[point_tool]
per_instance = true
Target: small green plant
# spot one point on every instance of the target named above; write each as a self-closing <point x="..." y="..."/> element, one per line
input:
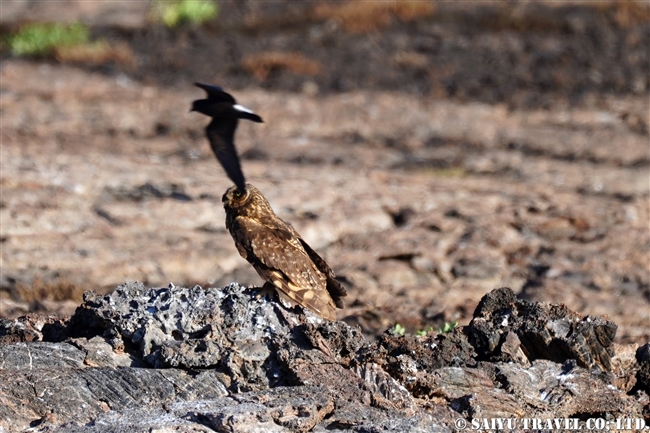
<point x="449" y="326"/>
<point x="423" y="332"/>
<point x="43" y="38"/>
<point x="196" y="12"/>
<point x="398" y="329"/>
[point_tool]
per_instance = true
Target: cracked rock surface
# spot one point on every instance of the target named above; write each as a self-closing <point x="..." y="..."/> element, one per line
<point x="195" y="359"/>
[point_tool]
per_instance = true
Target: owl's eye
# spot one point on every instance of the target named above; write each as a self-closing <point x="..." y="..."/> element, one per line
<point x="237" y="193"/>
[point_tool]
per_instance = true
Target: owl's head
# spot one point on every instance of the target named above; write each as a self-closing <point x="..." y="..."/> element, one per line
<point x="246" y="202"/>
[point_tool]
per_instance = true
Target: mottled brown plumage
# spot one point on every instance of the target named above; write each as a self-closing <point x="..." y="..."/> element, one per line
<point x="279" y="255"/>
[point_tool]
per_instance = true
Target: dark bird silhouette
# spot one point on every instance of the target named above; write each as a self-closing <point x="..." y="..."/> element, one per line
<point x="225" y="113"/>
<point x="279" y="255"/>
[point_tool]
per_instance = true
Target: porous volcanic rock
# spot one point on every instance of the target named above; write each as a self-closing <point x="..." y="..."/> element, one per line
<point x="232" y="359"/>
<point x="503" y="325"/>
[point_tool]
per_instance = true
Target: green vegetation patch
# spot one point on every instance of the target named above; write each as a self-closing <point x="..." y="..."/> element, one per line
<point x="195" y="12"/>
<point x="43" y="38"/>
<point x="449" y="326"/>
<point x="398" y="329"/>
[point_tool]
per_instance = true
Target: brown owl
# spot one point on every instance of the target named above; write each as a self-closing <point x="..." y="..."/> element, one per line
<point x="279" y="255"/>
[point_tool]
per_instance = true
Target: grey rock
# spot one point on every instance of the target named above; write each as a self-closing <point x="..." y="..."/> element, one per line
<point x="244" y="417"/>
<point x="35" y="355"/>
<point x="356" y="417"/>
<point x="142" y="419"/>
<point x="82" y="394"/>
<point x="549" y="389"/>
<point x="643" y="375"/>
<point x="298" y="408"/>
<point x="381" y="383"/>
<point x="229" y="328"/>
<point x="194" y="359"/>
<point x="544" y="332"/>
<point x="33" y="327"/>
<point x="162" y="316"/>
<point x="99" y="353"/>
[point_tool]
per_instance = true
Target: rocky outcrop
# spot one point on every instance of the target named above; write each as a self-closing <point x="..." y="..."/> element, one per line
<point x="194" y="359"/>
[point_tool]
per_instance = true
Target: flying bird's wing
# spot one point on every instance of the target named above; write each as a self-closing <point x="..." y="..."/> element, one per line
<point x="225" y="112"/>
<point x="245" y="113"/>
<point x="216" y="93"/>
<point x="229" y="107"/>
<point x="220" y="133"/>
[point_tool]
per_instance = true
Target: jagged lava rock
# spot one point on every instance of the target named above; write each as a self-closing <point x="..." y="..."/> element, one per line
<point x="188" y="328"/>
<point x="503" y="324"/>
<point x="194" y="359"/>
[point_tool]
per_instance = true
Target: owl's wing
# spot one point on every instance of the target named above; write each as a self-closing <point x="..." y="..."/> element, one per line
<point x="335" y="289"/>
<point x="278" y="256"/>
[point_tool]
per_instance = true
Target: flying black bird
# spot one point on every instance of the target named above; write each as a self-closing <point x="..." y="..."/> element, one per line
<point x="225" y="113"/>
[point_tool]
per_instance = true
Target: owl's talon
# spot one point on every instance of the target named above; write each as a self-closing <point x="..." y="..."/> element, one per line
<point x="267" y="289"/>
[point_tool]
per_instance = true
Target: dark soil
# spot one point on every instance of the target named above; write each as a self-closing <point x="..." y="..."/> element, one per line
<point x="528" y="55"/>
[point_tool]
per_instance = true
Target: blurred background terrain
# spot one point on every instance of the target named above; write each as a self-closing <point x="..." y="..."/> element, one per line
<point x="430" y="151"/>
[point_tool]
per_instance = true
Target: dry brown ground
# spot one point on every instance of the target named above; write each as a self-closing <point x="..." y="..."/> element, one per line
<point x="94" y="194"/>
<point x="422" y="202"/>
